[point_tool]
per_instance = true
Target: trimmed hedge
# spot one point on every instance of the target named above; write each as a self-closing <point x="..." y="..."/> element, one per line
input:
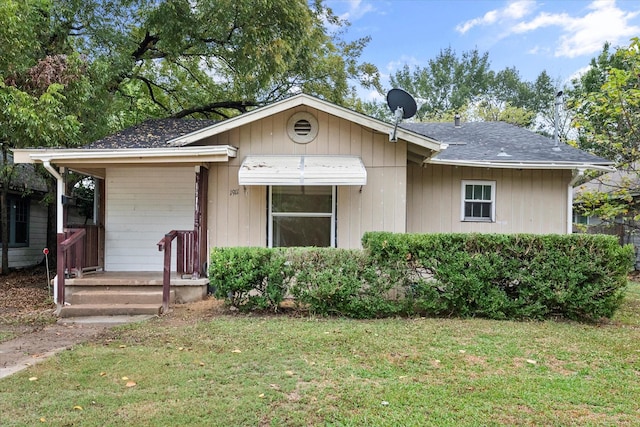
<point x="496" y="276"/>
<point x="499" y="276"/>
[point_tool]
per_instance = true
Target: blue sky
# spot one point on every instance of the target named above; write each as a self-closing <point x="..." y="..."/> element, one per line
<point x="559" y="36"/>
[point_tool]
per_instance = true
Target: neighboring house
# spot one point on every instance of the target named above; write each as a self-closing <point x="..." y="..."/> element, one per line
<point x="27" y="218"/>
<point x="305" y="172"/>
<point x="627" y="230"/>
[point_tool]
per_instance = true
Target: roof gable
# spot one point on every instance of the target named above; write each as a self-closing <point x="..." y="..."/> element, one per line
<point x="306" y="100"/>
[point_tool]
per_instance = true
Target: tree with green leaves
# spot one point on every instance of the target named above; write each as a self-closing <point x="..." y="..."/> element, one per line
<point x="606" y="104"/>
<point x="215" y="58"/>
<point x="465" y="84"/>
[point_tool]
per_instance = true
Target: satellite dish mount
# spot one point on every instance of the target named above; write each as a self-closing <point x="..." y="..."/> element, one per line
<point x="403" y="106"/>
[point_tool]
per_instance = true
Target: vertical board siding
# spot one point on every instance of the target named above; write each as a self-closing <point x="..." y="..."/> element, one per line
<point x="527" y="201"/>
<point x="238" y="215"/>
<point x="142" y="204"/>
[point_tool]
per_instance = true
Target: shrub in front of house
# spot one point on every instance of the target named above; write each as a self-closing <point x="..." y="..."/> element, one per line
<point x="340" y="282"/>
<point x="249" y="278"/>
<point x="501" y="276"/>
<point x="496" y="276"/>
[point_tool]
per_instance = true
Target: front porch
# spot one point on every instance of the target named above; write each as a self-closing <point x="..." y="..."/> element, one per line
<point x="126" y="293"/>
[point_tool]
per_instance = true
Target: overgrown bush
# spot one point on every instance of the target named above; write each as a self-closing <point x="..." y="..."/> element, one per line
<point x="496" y="276"/>
<point x="506" y="276"/>
<point x="340" y="282"/>
<point x="249" y="278"/>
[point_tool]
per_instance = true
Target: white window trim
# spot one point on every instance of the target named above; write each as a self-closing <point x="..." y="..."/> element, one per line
<point x="463" y="200"/>
<point x="331" y="215"/>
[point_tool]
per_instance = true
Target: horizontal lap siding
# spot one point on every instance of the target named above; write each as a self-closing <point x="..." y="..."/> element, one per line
<point x="238" y="215"/>
<point x="32" y="255"/>
<point x="527" y="201"/>
<point x="142" y="204"/>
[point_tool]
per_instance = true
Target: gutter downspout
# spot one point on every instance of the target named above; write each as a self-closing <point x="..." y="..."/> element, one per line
<point x="579" y="174"/>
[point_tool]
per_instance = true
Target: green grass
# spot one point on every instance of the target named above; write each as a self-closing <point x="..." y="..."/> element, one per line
<point x="282" y="371"/>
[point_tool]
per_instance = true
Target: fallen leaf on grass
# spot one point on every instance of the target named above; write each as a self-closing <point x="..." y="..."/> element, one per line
<point x="131" y="384"/>
<point x="236" y="351"/>
<point x="290" y="373"/>
<point x="102" y="374"/>
<point x="78" y="408"/>
<point x="261" y="395"/>
<point x="531" y="361"/>
<point x="33" y="379"/>
<point x="123" y="346"/>
<point x="43" y="420"/>
<point x="125" y="378"/>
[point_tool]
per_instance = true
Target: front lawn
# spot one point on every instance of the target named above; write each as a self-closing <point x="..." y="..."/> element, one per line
<point x="234" y="370"/>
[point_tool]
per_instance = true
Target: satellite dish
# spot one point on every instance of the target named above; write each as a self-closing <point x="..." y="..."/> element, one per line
<point x="398" y="98"/>
<point x="403" y="106"/>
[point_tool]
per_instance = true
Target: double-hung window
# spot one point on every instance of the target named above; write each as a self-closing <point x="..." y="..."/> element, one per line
<point x="478" y="201"/>
<point x="18" y="214"/>
<point x="302" y="216"/>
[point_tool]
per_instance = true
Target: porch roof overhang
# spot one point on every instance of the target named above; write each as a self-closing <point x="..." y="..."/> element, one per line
<point x="606" y="167"/>
<point x="93" y="161"/>
<point x="302" y="170"/>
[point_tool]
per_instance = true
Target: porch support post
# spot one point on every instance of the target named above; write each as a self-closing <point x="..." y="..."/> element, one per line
<point x="197" y="222"/>
<point x="59" y="196"/>
<point x="60" y="264"/>
<point x="166" y="274"/>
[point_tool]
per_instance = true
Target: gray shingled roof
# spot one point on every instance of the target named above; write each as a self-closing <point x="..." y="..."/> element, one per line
<point x="25" y="177"/>
<point x="484" y="141"/>
<point x="150" y="134"/>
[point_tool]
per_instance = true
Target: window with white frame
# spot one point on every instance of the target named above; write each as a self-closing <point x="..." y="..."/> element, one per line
<point x="478" y="201"/>
<point x="302" y="216"/>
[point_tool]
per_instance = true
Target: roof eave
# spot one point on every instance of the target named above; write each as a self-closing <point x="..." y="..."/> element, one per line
<point x="525" y="165"/>
<point x="218" y="153"/>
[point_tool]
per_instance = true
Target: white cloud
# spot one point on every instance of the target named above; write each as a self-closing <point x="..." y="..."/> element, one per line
<point x="578" y="33"/>
<point x="586" y="35"/>
<point x="514" y="10"/>
<point x="356" y="10"/>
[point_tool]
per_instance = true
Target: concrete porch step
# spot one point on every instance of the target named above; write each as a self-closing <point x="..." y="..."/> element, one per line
<point x="120" y="297"/>
<point x="82" y="310"/>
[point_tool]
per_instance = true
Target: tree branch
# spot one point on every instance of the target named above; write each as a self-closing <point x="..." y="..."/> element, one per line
<point x="145" y="45"/>
<point x="150" y="85"/>
<point x="214" y="107"/>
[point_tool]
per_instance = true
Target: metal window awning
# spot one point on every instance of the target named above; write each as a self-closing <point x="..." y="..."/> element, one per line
<point x="302" y="170"/>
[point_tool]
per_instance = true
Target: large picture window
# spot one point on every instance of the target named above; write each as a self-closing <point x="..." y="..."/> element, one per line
<point x="302" y="216"/>
<point x="478" y="201"/>
<point x="18" y="213"/>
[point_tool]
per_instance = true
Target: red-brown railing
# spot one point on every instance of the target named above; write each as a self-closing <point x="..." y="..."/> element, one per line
<point x="70" y="257"/>
<point x="188" y="259"/>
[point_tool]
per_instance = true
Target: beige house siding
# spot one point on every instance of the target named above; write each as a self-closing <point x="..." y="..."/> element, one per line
<point x="142" y="204"/>
<point x="238" y="215"/>
<point x="527" y="201"/>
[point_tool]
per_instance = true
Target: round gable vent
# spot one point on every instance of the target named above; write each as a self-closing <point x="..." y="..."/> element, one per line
<point x="302" y="127"/>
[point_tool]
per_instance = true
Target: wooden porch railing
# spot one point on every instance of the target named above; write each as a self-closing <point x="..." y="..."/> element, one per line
<point x="188" y="259"/>
<point x="70" y="257"/>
